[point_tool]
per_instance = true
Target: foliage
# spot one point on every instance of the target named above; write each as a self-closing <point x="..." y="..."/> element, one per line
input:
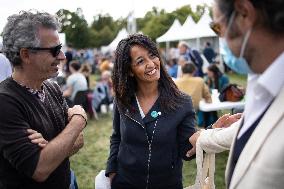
<point x="75" y="27"/>
<point x="155" y="23"/>
<point x="104" y="28"/>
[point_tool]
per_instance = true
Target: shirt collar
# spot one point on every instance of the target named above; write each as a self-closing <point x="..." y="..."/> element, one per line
<point x="273" y="78"/>
<point x="40" y="94"/>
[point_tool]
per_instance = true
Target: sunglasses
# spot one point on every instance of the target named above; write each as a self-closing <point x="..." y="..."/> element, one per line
<point x="53" y="50"/>
<point x="216" y="27"/>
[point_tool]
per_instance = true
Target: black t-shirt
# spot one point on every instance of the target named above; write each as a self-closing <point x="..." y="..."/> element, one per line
<point x="19" y="111"/>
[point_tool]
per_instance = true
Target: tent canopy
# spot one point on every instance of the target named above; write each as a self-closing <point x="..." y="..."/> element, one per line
<point x="187" y="30"/>
<point x="170" y="35"/>
<point x="62" y="38"/>
<point x="202" y="28"/>
<point x="112" y="46"/>
<point x="1" y="42"/>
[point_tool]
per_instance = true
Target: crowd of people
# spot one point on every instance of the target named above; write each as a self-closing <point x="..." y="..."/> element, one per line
<point x="154" y="115"/>
<point x="187" y="68"/>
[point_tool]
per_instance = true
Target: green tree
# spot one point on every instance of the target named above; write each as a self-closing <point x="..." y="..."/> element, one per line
<point x="104" y="29"/>
<point x="157" y="25"/>
<point x="75" y="27"/>
<point x="182" y="13"/>
<point x="200" y="10"/>
<point x="156" y="22"/>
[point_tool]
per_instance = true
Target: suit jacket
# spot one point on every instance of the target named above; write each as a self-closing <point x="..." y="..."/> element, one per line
<point x="261" y="163"/>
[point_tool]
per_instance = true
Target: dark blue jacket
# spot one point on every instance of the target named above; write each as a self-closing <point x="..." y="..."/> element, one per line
<point x="209" y="54"/>
<point x="198" y="62"/>
<point x="129" y="149"/>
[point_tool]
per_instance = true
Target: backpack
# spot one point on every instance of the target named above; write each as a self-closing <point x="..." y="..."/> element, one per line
<point x="231" y="92"/>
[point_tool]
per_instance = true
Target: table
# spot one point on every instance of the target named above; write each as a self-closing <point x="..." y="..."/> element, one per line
<point x="217" y="105"/>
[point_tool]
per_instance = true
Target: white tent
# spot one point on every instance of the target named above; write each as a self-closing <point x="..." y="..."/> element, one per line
<point x="112" y="46"/>
<point x="62" y="38"/>
<point x="1" y="42"/>
<point x="187" y="30"/>
<point x="202" y="28"/>
<point x="170" y="35"/>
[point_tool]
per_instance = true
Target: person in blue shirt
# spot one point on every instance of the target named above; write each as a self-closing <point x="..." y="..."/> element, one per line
<point x="172" y="68"/>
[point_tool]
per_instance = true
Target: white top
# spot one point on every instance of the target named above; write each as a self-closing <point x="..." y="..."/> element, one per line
<point x="5" y="67"/>
<point x="261" y="90"/>
<point x="139" y="107"/>
<point x="78" y="82"/>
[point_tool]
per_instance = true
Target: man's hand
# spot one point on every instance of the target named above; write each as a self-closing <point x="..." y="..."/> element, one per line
<point x="226" y="120"/>
<point x="37" y="138"/>
<point x="193" y="140"/>
<point x="77" y="109"/>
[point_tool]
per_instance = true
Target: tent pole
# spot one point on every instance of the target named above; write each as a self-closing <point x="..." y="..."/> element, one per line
<point x="167" y="48"/>
<point x="198" y="44"/>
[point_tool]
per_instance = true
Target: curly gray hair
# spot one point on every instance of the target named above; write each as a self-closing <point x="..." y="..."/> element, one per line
<point x="21" y="31"/>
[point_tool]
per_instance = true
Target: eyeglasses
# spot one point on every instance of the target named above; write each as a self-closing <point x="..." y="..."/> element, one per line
<point x="53" y="50"/>
<point x="216" y="27"/>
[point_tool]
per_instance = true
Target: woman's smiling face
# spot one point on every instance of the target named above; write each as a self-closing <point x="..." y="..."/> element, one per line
<point x="145" y="66"/>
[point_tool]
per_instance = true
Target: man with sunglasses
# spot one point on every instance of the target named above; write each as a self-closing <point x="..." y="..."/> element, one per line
<point x="253" y="39"/>
<point x="29" y="101"/>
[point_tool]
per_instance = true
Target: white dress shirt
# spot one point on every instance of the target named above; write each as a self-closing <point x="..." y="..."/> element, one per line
<point x="261" y="90"/>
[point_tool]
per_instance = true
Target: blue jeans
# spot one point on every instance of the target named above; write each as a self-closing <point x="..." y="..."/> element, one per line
<point x="73" y="183"/>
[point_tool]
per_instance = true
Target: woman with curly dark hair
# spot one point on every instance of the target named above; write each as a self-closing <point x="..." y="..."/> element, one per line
<point x="152" y="122"/>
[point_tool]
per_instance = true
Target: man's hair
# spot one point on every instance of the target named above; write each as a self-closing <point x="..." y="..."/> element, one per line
<point x="75" y="65"/>
<point x="21" y="31"/>
<point x="183" y="43"/>
<point x="188" y="68"/>
<point x="271" y="13"/>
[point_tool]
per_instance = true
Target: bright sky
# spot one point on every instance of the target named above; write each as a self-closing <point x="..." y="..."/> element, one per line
<point x="116" y="8"/>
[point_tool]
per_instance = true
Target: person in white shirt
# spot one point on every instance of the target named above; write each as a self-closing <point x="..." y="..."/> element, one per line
<point x="253" y="39"/>
<point x="75" y="82"/>
<point x="5" y="67"/>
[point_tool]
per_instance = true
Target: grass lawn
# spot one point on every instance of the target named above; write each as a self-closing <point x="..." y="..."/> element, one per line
<point x="88" y="162"/>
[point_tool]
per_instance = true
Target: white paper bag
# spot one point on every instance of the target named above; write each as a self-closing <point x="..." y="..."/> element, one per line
<point x="101" y="181"/>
